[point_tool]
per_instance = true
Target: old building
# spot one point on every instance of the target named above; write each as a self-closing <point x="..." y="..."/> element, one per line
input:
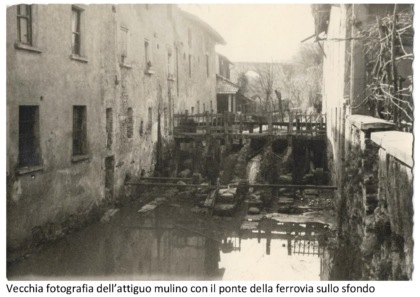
<point x="230" y="98"/>
<point x="370" y="149"/>
<point x="91" y="93"/>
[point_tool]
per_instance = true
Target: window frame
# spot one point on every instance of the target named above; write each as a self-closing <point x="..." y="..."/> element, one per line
<point x="78" y="33"/>
<point x="130" y="123"/>
<point x="79" y="131"/>
<point x="123" y="46"/>
<point x="28" y="18"/>
<point x="34" y="135"/>
<point x="149" y="120"/>
<point x="109" y="127"/>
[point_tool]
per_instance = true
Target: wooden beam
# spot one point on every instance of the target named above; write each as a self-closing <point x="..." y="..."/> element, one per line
<point x="166" y="178"/>
<point x="169" y="185"/>
<point x="316" y="187"/>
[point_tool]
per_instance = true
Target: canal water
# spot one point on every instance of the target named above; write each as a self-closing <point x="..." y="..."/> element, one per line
<point x="173" y="242"/>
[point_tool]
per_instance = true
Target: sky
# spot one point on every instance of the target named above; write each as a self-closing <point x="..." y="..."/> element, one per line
<point x="257" y="32"/>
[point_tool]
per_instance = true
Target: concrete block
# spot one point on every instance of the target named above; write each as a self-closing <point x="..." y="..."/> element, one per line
<point x="397" y="144"/>
<point x="366" y="123"/>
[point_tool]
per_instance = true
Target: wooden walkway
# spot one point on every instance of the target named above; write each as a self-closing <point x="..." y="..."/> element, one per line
<point x="247" y="126"/>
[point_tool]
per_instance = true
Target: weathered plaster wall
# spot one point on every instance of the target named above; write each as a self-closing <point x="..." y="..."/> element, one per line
<point x="335" y="86"/>
<point x="55" y="82"/>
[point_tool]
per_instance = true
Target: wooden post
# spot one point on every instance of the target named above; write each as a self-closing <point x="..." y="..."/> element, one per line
<point x="177" y="155"/>
<point x="310" y="123"/>
<point x="225" y="122"/>
<point x="290" y="129"/>
<point x="270" y="122"/>
<point x="207" y="123"/>
<point x="241" y="123"/>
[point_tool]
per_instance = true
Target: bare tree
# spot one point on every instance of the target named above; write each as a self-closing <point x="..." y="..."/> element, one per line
<point x="388" y="43"/>
<point x="265" y="82"/>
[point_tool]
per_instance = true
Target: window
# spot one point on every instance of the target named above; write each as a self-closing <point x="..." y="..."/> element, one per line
<point x="29" y="136"/>
<point x="79" y="130"/>
<point x="147" y="54"/>
<point x="109" y="128"/>
<point x="165" y="119"/>
<point x="149" y="120"/>
<point x="24" y="19"/>
<point x="189" y="65"/>
<point x="123" y="44"/>
<point x="130" y="123"/>
<point x="141" y="128"/>
<point x="75" y="27"/>
<point x="170" y="65"/>
<point x="207" y="65"/>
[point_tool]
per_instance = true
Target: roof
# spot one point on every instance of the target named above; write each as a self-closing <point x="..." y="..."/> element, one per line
<point x="225" y="86"/>
<point x="225" y="58"/>
<point x="247" y="98"/>
<point x="209" y="29"/>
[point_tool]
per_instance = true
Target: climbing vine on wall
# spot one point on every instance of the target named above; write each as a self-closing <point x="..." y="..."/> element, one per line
<point x="388" y="44"/>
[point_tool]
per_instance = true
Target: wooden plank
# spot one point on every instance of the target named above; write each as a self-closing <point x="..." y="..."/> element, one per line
<point x="166" y="178"/>
<point x="293" y="186"/>
<point x="169" y="185"/>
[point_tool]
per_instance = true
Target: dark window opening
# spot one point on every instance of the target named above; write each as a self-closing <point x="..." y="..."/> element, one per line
<point x="123" y="44"/>
<point x="141" y="128"/>
<point x="109" y="127"/>
<point x="170" y="67"/>
<point x="149" y="119"/>
<point x="130" y="123"/>
<point x="29" y="136"/>
<point x="24" y="19"/>
<point x="75" y="27"/>
<point x="147" y="55"/>
<point x="165" y="120"/>
<point x="79" y="130"/>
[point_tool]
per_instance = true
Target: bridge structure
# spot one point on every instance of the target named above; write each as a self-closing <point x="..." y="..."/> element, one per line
<point x="249" y="126"/>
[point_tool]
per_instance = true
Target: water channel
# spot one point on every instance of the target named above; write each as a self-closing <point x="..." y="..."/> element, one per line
<point x="173" y="243"/>
<point x="178" y="241"/>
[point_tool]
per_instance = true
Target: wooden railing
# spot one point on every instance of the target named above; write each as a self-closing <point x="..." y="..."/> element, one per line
<point x="269" y="123"/>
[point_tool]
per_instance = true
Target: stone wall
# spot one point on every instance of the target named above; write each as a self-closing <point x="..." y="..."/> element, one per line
<point x="375" y="204"/>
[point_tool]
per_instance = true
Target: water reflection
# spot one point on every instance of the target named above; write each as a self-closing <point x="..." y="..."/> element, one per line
<point x="172" y="243"/>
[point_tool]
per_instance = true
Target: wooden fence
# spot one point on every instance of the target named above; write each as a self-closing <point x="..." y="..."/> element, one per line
<point x="230" y="123"/>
